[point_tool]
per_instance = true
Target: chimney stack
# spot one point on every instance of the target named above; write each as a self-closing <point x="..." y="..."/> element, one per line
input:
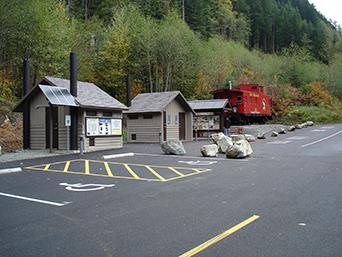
<point x="73" y="110"/>
<point x="26" y="111"/>
<point x="128" y="91"/>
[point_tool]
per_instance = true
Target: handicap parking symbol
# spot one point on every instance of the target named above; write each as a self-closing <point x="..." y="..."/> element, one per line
<point x="79" y="187"/>
<point x="198" y="162"/>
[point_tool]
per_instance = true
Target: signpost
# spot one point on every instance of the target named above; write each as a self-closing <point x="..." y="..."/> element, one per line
<point x="68" y="124"/>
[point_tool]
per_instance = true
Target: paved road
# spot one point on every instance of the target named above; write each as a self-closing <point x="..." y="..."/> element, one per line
<point x="284" y="201"/>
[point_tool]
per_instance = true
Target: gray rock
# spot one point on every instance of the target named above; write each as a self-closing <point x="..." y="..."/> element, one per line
<point x="291" y="128"/>
<point x="173" y="146"/>
<point x="310" y="123"/>
<point x="261" y="136"/>
<point x="299" y="126"/>
<point x="209" y="150"/>
<point x="240" y="149"/>
<point x="237" y="137"/>
<point x="304" y="125"/>
<point x="222" y="141"/>
<point x="250" y="138"/>
<point x="282" y="131"/>
<point x="274" y="134"/>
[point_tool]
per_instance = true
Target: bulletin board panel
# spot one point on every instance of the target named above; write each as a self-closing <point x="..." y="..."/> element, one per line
<point x="103" y="127"/>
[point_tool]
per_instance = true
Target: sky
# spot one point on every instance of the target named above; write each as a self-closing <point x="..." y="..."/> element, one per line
<point x="331" y="9"/>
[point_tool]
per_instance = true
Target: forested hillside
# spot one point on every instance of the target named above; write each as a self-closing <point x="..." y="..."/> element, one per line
<point x="192" y="46"/>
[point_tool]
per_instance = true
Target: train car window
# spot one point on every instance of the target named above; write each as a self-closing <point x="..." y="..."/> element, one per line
<point x="238" y="99"/>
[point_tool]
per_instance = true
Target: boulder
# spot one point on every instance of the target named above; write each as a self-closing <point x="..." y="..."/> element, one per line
<point x="261" y="136"/>
<point x="222" y="141"/>
<point x="274" y="134"/>
<point x="282" y="131"/>
<point x="310" y="123"/>
<point x="240" y="149"/>
<point x="237" y="137"/>
<point x="209" y="150"/>
<point x="291" y="128"/>
<point x="250" y="138"/>
<point x="299" y="126"/>
<point x="173" y="146"/>
<point x="304" y="125"/>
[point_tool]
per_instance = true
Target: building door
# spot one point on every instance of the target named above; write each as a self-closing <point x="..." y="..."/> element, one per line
<point x="54" y="127"/>
<point x="181" y="126"/>
<point x="164" y="126"/>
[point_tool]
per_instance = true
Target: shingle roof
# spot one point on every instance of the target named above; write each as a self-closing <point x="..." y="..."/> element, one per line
<point x="156" y="102"/>
<point x="88" y="94"/>
<point x="208" y="104"/>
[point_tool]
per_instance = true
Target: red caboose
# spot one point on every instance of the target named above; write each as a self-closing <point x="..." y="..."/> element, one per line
<point x="248" y="103"/>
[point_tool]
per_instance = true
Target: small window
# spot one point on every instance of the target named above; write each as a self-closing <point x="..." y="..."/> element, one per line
<point x="107" y="114"/>
<point x="92" y="141"/>
<point x="168" y="119"/>
<point x="238" y="99"/>
<point x="148" y="116"/>
<point x="133" y="117"/>
<point x="134" y="136"/>
<point x="176" y="119"/>
<point x="91" y="113"/>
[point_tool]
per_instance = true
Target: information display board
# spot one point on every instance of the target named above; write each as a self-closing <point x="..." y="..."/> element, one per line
<point x="103" y="127"/>
<point x="207" y="122"/>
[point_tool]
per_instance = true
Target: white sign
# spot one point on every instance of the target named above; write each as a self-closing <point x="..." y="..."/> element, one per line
<point x="67" y="120"/>
<point x="198" y="162"/>
<point x="103" y="127"/>
<point x="84" y="187"/>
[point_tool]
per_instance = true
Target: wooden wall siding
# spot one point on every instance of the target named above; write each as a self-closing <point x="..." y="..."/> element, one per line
<point x="37" y="124"/>
<point x="146" y="130"/>
<point x="62" y="129"/>
<point x="173" y="109"/>
<point x="189" y="126"/>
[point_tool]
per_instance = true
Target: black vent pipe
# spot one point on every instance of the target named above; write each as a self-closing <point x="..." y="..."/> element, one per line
<point x="128" y="91"/>
<point x="73" y="110"/>
<point x="26" y="110"/>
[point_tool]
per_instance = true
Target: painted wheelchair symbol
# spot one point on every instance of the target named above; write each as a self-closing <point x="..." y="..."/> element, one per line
<point x="79" y="187"/>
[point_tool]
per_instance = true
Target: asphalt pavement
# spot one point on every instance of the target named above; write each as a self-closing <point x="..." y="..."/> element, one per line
<point x="286" y="200"/>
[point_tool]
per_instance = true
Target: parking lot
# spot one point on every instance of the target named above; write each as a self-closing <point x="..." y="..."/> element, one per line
<point x="283" y="201"/>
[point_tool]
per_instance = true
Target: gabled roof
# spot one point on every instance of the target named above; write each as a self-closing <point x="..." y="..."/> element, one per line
<point x="212" y="104"/>
<point x="88" y="94"/>
<point x="157" y="102"/>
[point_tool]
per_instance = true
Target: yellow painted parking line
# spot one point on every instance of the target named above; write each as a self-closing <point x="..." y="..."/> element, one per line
<point x="86" y="167"/>
<point x="131" y="171"/>
<point x="130" y="167"/>
<point x="109" y="172"/>
<point x="220" y="237"/>
<point x="155" y="173"/>
<point x="176" y="171"/>
<point x="66" y="167"/>
<point x="96" y="175"/>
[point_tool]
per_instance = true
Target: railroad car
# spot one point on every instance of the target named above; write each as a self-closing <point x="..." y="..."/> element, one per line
<point x="248" y="103"/>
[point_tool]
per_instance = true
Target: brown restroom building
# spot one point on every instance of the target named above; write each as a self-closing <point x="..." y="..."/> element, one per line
<point x="51" y="106"/>
<point x="153" y="117"/>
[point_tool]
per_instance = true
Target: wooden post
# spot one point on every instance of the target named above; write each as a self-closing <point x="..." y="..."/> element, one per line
<point x="50" y="128"/>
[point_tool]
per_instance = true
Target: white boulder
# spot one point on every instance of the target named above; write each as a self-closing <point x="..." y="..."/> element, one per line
<point x="173" y="146"/>
<point x="209" y="150"/>
<point x="310" y="123"/>
<point x="261" y="136"/>
<point x="240" y="149"/>
<point x="274" y="134"/>
<point x="237" y="137"/>
<point x="222" y="141"/>
<point x="250" y="138"/>
<point x="282" y="131"/>
<point x="291" y="128"/>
